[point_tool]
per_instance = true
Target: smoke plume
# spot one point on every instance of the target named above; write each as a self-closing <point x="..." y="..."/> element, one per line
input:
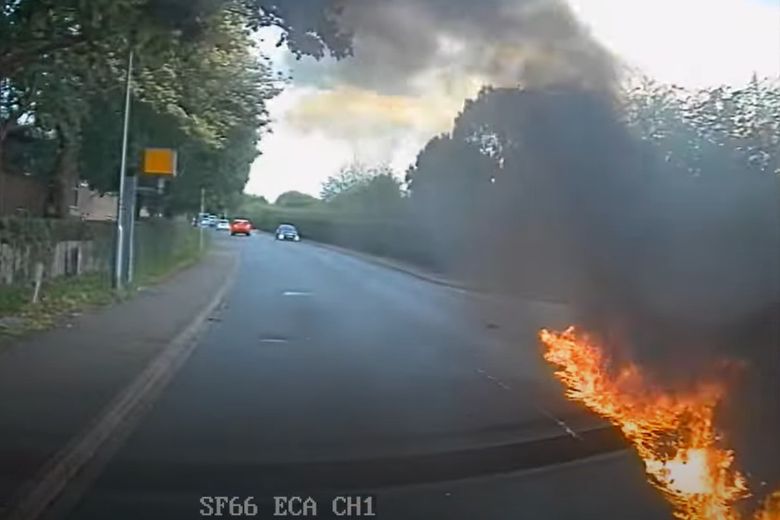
<point x="501" y="42"/>
<point x="440" y="52"/>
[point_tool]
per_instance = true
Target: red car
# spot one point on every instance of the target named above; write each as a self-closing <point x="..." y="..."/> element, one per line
<point x="240" y="226"/>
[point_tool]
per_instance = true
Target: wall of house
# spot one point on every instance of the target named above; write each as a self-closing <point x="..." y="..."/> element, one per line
<point x="91" y="205"/>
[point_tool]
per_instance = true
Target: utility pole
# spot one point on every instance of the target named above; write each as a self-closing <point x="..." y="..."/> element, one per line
<point x="120" y="210"/>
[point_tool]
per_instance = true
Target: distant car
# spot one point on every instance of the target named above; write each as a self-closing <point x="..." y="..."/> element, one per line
<point x="212" y="220"/>
<point x="240" y="226"/>
<point x="287" y="232"/>
<point x="202" y="220"/>
<point x="223" y="224"/>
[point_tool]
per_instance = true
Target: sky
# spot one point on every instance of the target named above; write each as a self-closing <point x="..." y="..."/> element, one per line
<point x="332" y="113"/>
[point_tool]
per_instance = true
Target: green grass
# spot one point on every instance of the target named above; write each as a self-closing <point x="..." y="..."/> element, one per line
<point x="58" y="298"/>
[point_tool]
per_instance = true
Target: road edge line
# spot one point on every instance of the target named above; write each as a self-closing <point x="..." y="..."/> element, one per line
<point x="377" y="260"/>
<point x="442" y="282"/>
<point x="34" y="499"/>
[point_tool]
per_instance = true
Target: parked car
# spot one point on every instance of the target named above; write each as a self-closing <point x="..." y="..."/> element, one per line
<point x="240" y="226"/>
<point x="223" y="224"/>
<point x="287" y="232"/>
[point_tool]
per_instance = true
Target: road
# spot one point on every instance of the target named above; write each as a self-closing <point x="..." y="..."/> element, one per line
<point x="323" y="373"/>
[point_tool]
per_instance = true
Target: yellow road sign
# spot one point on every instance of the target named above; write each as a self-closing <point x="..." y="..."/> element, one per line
<point x="160" y="161"/>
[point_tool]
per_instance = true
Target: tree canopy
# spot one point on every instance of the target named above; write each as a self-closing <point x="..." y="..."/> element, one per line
<point x="363" y="189"/>
<point x="199" y="86"/>
<point x="296" y="199"/>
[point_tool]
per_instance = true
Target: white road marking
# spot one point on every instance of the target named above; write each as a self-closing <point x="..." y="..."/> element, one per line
<point x="296" y="293"/>
<point x="119" y="418"/>
<point x="273" y="340"/>
<point x="565" y="427"/>
<point x="557" y="421"/>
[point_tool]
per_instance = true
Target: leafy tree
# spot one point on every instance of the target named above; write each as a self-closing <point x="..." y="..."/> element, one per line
<point x="348" y="177"/>
<point x="296" y="199"/>
<point x="360" y="188"/>
<point x="380" y="196"/>
<point x="309" y="28"/>
<point x="254" y="199"/>
<point x="30" y="29"/>
<point x="214" y="125"/>
<point x="683" y="124"/>
<point x="60" y="61"/>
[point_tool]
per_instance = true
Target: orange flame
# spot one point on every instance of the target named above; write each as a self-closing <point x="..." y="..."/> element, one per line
<point x="672" y="431"/>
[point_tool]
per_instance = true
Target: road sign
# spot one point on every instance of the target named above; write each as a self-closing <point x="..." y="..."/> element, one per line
<point x="160" y="161"/>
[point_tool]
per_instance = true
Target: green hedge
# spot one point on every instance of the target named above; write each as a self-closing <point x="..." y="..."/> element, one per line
<point x="390" y="237"/>
<point x="162" y="246"/>
<point x="41" y="235"/>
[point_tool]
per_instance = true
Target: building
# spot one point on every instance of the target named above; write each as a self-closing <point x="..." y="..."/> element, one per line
<point x="91" y="205"/>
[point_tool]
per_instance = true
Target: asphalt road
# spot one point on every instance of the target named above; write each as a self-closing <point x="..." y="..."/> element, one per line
<point x="324" y="374"/>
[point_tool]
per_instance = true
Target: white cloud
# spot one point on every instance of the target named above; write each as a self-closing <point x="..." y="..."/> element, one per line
<point x="291" y="159"/>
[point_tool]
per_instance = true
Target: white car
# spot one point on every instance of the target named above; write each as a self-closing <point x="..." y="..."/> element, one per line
<point x="223" y="224"/>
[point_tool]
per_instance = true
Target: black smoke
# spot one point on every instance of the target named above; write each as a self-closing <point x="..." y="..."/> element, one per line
<point x="400" y="45"/>
<point x="672" y="268"/>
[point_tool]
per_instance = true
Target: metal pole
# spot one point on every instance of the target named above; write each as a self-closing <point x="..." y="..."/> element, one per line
<point x="202" y="209"/>
<point x="133" y="190"/>
<point x="120" y="231"/>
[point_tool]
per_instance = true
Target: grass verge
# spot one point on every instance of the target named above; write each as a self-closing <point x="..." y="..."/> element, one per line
<point x="58" y="298"/>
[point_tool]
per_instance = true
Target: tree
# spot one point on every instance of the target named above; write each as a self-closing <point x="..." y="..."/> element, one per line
<point x="379" y="196"/>
<point x="683" y="124"/>
<point x="255" y="199"/>
<point x="59" y="61"/>
<point x="309" y="28"/>
<point x="350" y="177"/>
<point x="296" y="199"/>
<point x="30" y="29"/>
<point x="212" y="111"/>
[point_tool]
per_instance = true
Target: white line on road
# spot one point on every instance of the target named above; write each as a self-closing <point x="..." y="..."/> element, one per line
<point x="565" y="427"/>
<point x="296" y="293"/>
<point x="117" y="419"/>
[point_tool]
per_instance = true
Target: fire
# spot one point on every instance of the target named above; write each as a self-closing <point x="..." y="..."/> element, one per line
<point x="672" y="431"/>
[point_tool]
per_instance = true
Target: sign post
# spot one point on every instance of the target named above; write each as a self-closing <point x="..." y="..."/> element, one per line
<point x="160" y="163"/>
<point x="130" y="207"/>
<point x="202" y="210"/>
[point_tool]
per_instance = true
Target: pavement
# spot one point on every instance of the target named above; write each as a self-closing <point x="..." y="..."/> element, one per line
<point x="321" y="373"/>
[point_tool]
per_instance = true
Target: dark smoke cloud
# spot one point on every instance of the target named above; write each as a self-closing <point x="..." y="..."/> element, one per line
<point x="671" y="270"/>
<point x="503" y="42"/>
<point x="659" y="258"/>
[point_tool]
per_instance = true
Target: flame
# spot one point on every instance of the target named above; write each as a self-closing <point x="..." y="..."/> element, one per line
<point x="672" y="431"/>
